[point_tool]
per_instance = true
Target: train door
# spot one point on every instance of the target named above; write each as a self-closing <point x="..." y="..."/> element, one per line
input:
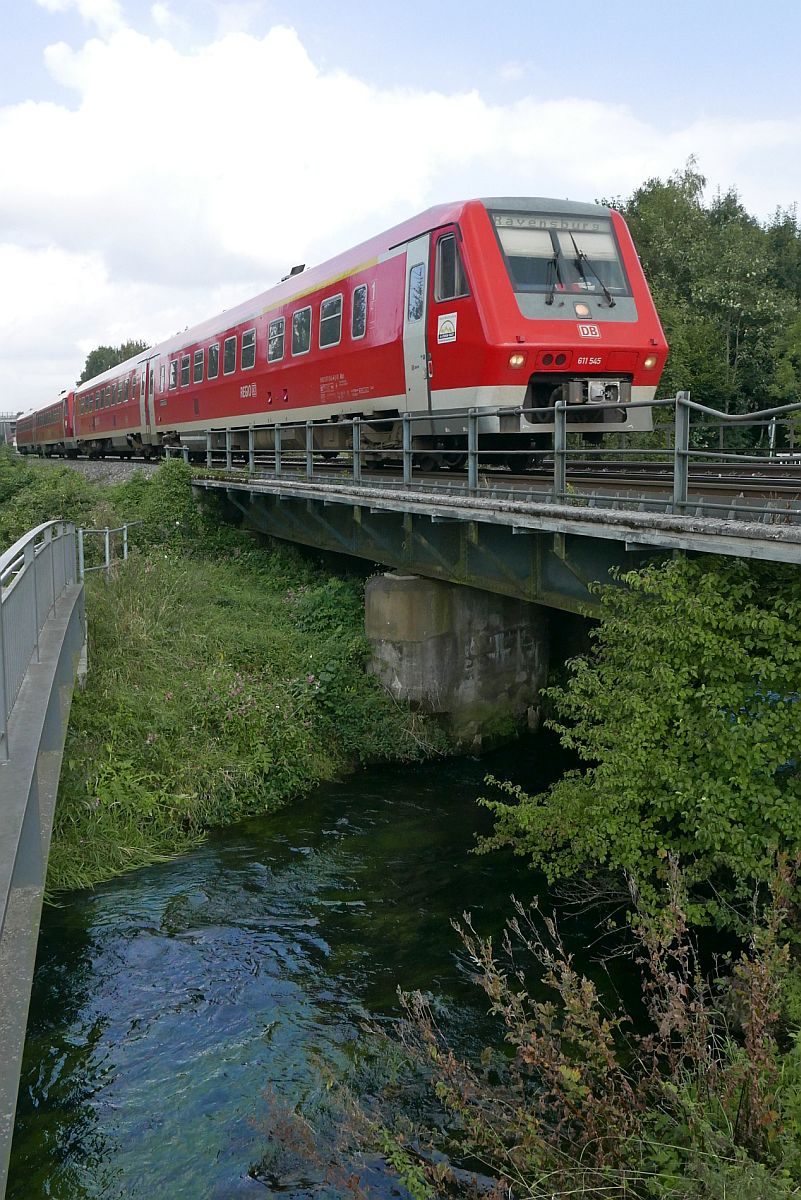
<point x="415" y="348"/>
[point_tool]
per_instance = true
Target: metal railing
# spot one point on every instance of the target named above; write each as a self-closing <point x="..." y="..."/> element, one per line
<point x="108" y="535"/>
<point x="691" y="440"/>
<point x="34" y="573"/>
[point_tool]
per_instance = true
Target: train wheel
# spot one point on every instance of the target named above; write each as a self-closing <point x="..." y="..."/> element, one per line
<point x="454" y="462"/>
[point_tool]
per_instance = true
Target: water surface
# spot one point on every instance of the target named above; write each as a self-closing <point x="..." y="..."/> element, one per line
<point x="172" y="1007"/>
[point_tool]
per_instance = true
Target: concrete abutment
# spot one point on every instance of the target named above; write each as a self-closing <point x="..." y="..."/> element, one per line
<point x="475" y="659"/>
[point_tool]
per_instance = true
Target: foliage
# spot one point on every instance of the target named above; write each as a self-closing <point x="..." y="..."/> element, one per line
<point x="727" y="289"/>
<point x="687" y="716"/>
<point x="695" y="1099"/>
<point x="102" y="358"/>
<point x="580" y="1103"/>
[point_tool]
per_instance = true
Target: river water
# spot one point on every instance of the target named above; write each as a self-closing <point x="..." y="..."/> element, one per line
<point x="174" y="1008"/>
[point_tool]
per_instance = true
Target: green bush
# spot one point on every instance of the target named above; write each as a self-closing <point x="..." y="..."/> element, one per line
<point x="688" y="718"/>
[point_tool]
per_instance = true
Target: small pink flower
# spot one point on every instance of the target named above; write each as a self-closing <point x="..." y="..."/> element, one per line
<point x="310" y="679"/>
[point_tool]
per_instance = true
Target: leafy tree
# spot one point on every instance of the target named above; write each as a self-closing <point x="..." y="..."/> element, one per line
<point x="103" y="357"/>
<point x="687" y="715"/>
<point x="726" y="287"/>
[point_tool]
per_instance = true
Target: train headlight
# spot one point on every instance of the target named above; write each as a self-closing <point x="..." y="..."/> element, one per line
<point x="517" y="360"/>
<point x="650" y="362"/>
<point x="582" y="310"/>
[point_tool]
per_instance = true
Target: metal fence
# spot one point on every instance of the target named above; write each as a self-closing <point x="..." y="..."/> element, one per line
<point x="111" y="538"/>
<point x="34" y="573"/>
<point x="692" y="450"/>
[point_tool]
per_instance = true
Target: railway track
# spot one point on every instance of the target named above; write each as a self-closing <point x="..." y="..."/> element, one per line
<point x="779" y="481"/>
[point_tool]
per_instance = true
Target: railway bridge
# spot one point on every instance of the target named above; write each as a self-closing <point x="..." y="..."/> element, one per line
<point x="459" y="624"/>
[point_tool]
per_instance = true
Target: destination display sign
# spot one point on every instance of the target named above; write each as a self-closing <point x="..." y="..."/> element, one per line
<point x="506" y="220"/>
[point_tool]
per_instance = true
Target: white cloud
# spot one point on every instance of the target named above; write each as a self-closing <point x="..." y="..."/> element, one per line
<point x="105" y="14"/>
<point x="176" y="181"/>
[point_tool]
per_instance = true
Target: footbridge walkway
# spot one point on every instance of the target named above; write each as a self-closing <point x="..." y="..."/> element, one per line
<point x="42" y="638"/>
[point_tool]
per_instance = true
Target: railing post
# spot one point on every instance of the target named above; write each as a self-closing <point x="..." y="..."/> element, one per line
<point x="407" y="448"/>
<point x="560" y="450"/>
<point x="124" y="543"/>
<point x="472" y="451"/>
<point x="357" y="450"/>
<point x="31" y="566"/>
<point x="185" y="453"/>
<point x="81" y="571"/>
<point x="309" y="450"/>
<point x="209" y="459"/>
<point x="4" y="678"/>
<point x="277" y="442"/>
<point x="251" y="450"/>
<point x="51" y="549"/>
<point x="107" y="547"/>
<point x="681" y="452"/>
<point x="229" y="457"/>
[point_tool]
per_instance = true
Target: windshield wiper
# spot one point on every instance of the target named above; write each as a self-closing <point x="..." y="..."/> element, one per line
<point x="581" y="257"/>
<point x="556" y="277"/>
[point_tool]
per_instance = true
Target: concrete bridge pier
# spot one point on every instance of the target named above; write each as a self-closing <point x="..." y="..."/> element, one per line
<point x="476" y="659"/>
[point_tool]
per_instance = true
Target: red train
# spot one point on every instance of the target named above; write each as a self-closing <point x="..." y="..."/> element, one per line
<point x="477" y="304"/>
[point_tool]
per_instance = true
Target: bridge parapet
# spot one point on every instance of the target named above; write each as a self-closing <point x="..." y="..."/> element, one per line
<point x="42" y="640"/>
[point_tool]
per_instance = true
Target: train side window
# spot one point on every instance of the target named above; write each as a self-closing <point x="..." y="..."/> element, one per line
<point x="113" y="393"/>
<point x="417" y="291"/>
<point x="450" y="280"/>
<point x="108" y="396"/>
<point x="358" y="318"/>
<point x="229" y="355"/>
<point x="173" y="374"/>
<point x="185" y="359"/>
<point x="275" y="340"/>
<point x="248" y="349"/>
<point x="127" y="390"/>
<point x="197" y="368"/>
<point x="214" y="361"/>
<point x="301" y="331"/>
<point x="162" y="377"/>
<point x="331" y="321"/>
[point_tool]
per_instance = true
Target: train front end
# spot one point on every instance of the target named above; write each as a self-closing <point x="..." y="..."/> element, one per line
<point x="568" y="315"/>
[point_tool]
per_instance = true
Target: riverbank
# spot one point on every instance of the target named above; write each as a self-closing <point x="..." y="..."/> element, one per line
<point x="227" y="677"/>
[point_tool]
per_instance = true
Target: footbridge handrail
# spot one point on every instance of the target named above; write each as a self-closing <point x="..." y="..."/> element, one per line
<point x="42" y="639"/>
<point x="33" y="575"/>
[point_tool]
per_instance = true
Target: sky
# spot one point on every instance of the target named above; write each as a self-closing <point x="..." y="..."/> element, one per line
<point x="160" y="162"/>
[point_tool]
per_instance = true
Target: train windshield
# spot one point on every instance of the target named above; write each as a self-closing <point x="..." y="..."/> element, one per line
<point x="546" y="253"/>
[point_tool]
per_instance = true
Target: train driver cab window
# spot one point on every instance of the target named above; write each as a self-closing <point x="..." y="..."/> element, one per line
<point x="197" y="367"/>
<point x="275" y="340"/>
<point x="174" y="374"/>
<point x="214" y="361"/>
<point x="417" y="291"/>
<point x="248" y="349"/>
<point x="229" y="355"/>
<point x="184" y="370"/>
<point x="301" y="331"/>
<point x="358" y="319"/>
<point x="331" y="321"/>
<point x="451" y="281"/>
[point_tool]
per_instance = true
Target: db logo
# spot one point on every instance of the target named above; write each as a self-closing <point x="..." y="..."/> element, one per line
<point x="590" y="331"/>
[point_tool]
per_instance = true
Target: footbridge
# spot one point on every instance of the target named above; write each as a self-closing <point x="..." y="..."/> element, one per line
<point x="42" y="638"/>
<point x="704" y="482"/>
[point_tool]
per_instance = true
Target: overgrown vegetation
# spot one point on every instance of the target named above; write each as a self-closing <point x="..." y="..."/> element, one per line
<point x="226" y="677"/>
<point x="687" y="716"/>
<point x="727" y="289"/>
